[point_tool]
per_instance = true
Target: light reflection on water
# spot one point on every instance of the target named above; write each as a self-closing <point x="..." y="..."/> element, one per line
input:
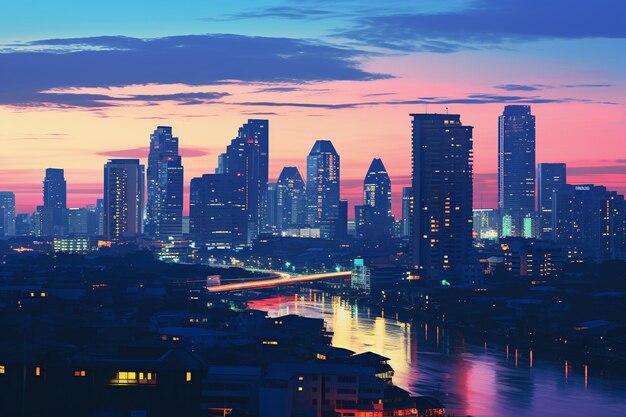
<point x="481" y="381"/>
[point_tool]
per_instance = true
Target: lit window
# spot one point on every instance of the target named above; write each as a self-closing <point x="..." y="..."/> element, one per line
<point x="79" y="373"/>
<point x="134" y="378"/>
<point x="38" y="371"/>
<point x="188" y="376"/>
<point x="2" y="370"/>
<point x="300" y="388"/>
<point x="300" y="378"/>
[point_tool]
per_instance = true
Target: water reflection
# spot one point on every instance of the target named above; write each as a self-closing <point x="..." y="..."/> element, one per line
<point x="481" y="381"/>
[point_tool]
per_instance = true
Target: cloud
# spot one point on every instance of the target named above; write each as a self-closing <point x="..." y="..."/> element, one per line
<point x="142" y="152"/>
<point x="537" y="87"/>
<point x="39" y="73"/>
<point x="491" y="22"/>
<point x="280" y="12"/>
<point x="477" y="98"/>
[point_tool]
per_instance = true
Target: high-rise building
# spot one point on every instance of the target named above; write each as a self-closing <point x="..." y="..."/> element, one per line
<point x="589" y="221"/>
<point x="323" y="189"/>
<point x="374" y="219"/>
<point x="123" y="198"/>
<point x="441" y="224"/>
<point x="407" y="209"/>
<point x="272" y="206"/>
<point x="23" y="224"/>
<point x="485" y="223"/>
<point x="291" y="199"/>
<point x="551" y="178"/>
<point x="516" y="164"/>
<point x="54" y="203"/>
<point x="247" y="157"/>
<point x="164" y="211"/>
<point x="77" y="221"/>
<point x="7" y="213"/>
<point x="217" y="211"/>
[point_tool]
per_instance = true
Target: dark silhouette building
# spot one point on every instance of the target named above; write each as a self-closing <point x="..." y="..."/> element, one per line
<point x="441" y="222"/>
<point x="7" y="213"/>
<point x="124" y="196"/>
<point x="290" y="199"/>
<point x="164" y="211"/>
<point x="373" y="220"/>
<point x="52" y="213"/>
<point x="407" y="209"/>
<point x="551" y="178"/>
<point x="217" y="211"/>
<point x="516" y="164"/>
<point x="323" y="190"/>
<point x="247" y="157"/>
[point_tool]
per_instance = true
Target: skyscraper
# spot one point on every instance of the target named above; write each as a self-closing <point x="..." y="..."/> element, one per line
<point x="123" y="198"/>
<point x="516" y="164"/>
<point x="323" y="192"/>
<point x="247" y="157"/>
<point x="373" y="220"/>
<point x="551" y="178"/>
<point x="164" y="211"/>
<point x="54" y="203"/>
<point x="441" y="224"/>
<point x="291" y="199"/>
<point x="407" y="209"/>
<point x="217" y="211"/>
<point x="7" y="213"/>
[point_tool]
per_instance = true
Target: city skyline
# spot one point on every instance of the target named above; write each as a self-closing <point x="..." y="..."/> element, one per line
<point x="572" y="78"/>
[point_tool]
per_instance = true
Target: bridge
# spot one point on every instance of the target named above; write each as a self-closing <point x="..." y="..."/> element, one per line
<point x="282" y="280"/>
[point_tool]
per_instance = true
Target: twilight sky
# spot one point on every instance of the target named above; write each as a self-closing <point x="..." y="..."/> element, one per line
<point x="84" y="81"/>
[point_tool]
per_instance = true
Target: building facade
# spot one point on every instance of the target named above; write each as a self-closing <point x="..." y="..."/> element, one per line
<point x="551" y="178"/>
<point x="124" y="196"/>
<point x="323" y="189"/>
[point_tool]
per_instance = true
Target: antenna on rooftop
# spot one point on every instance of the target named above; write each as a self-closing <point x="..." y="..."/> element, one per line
<point x="446" y="111"/>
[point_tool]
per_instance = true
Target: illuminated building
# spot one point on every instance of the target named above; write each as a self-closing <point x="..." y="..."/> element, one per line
<point x="54" y="203"/>
<point x="373" y="220"/>
<point x="247" y="157"/>
<point x="77" y="221"/>
<point x="164" y="211"/>
<point x="75" y="244"/>
<point x="485" y="223"/>
<point x="173" y="250"/>
<point x="360" y="276"/>
<point x="290" y="199"/>
<point x="589" y="220"/>
<point x="7" y="213"/>
<point x="323" y="189"/>
<point x="123" y="198"/>
<point x="217" y="211"/>
<point x="551" y="178"/>
<point x="441" y="224"/>
<point x="407" y="209"/>
<point x="23" y="224"/>
<point x="516" y="164"/>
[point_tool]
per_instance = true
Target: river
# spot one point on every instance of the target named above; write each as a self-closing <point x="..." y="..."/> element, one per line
<point x="481" y="381"/>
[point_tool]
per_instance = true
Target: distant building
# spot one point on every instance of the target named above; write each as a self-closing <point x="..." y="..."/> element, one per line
<point x="323" y="190"/>
<point x="360" y="276"/>
<point x="290" y="199"/>
<point x="77" y="221"/>
<point x="23" y="224"/>
<point x="164" y="211"/>
<point x="7" y="213"/>
<point x="272" y="206"/>
<point x="485" y="223"/>
<point x="54" y="203"/>
<point x="374" y="219"/>
<point x="441" y="224"/>
<point x="247" y="157"/>
<point x="551" y="178"/>
<point x="407" y="209"/>
<point x="123" y="198"/>
<point x="516" y="164"/>
<point x="217" y="211"/>
<point x="76" y="244"/>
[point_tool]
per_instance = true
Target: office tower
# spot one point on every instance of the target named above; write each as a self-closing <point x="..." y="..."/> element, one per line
<point x="323" y="193"/>
<point x="407" y="209"/>
<point x="247" y="156"/>
<point x="23" y="224"/>
<point x="551" y="178"/>
<point x="589" y="221"/>
<point x="77" y="220"/>
<point x="516" y="164"/>
<point x="374" y="219"/>
<point x="217" y="211"/>
<point x="291" y="199"/>
<point x="272" y="205"/>
<point x="123" y="198"/>
<point x="340" y="226"/>
<point x="7" y="213"/>
<point x="95" y="218"/>
<point x="441" y="224"/>
<point x="164" y="211"/>
<point x="54" y="203"/>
